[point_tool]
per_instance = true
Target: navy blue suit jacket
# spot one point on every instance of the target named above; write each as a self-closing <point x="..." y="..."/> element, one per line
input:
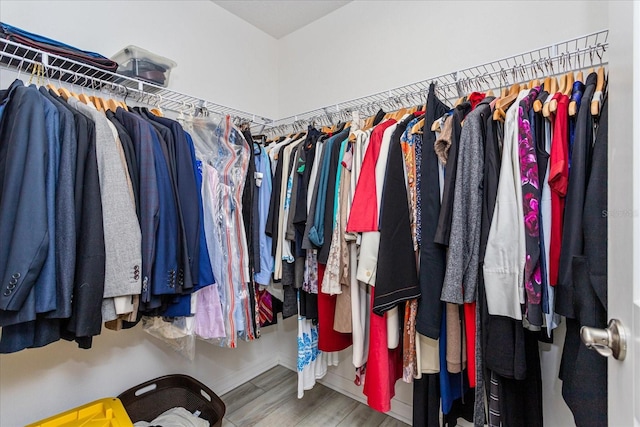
<point x="23" y="203"/>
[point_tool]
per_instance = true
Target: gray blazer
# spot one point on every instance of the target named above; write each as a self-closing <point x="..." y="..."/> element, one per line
<point x="464" y="242"/>
<point x="122" y="236"/>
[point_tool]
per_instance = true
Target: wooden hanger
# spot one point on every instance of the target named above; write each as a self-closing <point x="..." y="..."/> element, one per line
<point x="460" y="101"/>
<point x="98" y="102"/>
<point x="566" y="83"/>
<point x="563" y="83"/>
<point x="552" y="88"/>
<point x="112" y="105"/>
<point x="553" y="107"/>
<point x="65" y="94"/>
<point x="368" y="123"/>
<point x="417" y="128"/>
<point x="400" y="113"/>
<point x="489" y="93"/>
<point x="573" y="108"/>
<point x="504" y="103"/>
<point x="595" y="102"/>
<point x="569" y="79"/>
<point x="84" y="99"/>
<point x="573" y="105"/>
<point x="537" y="104"/>
<point x="435" y="126"/>
<point x="499" y="115"/>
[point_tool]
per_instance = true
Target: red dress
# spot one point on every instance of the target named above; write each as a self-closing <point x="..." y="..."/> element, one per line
<point x="558" y="181"/>
<point x="329" y="339"/>
<point x="384" y="366"/>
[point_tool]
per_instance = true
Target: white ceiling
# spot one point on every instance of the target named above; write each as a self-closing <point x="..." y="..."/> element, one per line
<point x="280" y="18"/>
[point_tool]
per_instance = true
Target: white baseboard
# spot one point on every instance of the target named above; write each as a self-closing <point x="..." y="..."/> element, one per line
<point x="399" y="410"/>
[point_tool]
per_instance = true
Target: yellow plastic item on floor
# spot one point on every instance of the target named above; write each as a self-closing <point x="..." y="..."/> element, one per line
<point x="107" y="412"/>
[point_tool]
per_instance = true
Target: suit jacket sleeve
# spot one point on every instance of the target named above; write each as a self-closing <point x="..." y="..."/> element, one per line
<point x="23" y="208"/>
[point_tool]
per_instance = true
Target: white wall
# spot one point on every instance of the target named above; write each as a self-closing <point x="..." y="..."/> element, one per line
<point x="220" y="57"/>
<point x="371" y="46"/>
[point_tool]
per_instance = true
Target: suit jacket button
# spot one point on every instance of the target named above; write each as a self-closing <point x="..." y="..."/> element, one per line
<point x="6" y="293"/>
<point x="15" y="275"/>
<point x="11" y="286"/>
<point x="13" y="281"/>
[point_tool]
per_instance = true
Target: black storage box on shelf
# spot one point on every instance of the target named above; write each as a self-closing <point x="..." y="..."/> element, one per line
<point x="146" y="401"/>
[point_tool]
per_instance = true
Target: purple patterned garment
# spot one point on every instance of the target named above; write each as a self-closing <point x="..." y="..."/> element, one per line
<point x="530" y="202"/>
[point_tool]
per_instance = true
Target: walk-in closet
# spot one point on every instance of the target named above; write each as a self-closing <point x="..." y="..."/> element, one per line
<point x="329" y="213"/>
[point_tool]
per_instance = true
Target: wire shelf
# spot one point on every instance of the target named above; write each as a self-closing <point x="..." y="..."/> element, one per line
<point x="16" y="56"/>
<point x="574" y="54"/>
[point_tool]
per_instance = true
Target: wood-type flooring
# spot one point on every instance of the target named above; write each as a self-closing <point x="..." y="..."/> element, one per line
<point x="270" y="400"/>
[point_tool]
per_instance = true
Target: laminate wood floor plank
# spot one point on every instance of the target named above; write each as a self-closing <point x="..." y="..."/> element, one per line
<point x="271" y="378"/>
<point x="291" y="412"/>
<point x="363" y="416"/>
<point x="392" y="422"/>
<point x="270" y="400"/>
<point x="273" y="398"/>
<point x="240" y="396"/>
<point x="331" y="413"/>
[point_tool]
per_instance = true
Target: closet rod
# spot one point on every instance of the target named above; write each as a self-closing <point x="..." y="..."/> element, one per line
<point x="573" y="54"/>
<point x="16" y="56"/>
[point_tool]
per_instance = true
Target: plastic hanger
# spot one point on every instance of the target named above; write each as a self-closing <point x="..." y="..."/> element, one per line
<point x="596" y="101"/>
<point x="158" y="109"/>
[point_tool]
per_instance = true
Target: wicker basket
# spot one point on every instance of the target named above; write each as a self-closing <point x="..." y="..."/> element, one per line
<point x="146" y="401"/>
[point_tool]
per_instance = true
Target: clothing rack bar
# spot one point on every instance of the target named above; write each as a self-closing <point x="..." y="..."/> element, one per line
<point x="21" y="58"/>
<point x="575" y="54"/>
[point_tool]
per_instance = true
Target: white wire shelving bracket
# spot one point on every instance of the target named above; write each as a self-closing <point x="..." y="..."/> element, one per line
<point x="575" y="54"/>
<point x="21" y="58"/>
